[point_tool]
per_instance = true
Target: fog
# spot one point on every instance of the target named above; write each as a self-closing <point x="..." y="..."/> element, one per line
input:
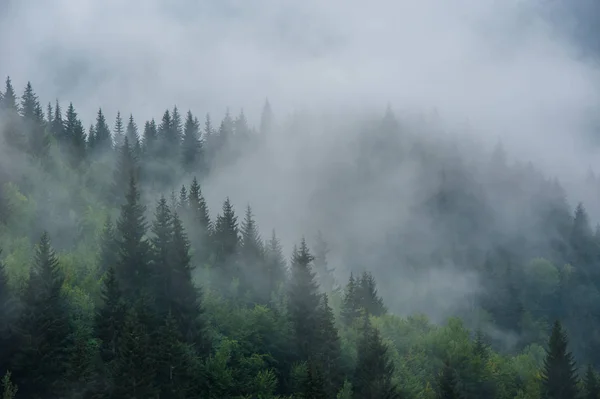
<point x="497" y="67"/>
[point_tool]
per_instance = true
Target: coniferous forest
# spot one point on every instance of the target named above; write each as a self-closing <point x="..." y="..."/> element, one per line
<point x="118" y="282"/>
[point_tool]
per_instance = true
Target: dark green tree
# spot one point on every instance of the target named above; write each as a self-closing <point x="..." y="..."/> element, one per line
<point x="199" y="225"/>
<point x="329" y="352"/>
<point x="368" y="297"/>
<point x="591" y="388"/>
<point x="75" y="138"/>
<point x="108" y="247"/>
<point x="251" y="256"/>
<point x="374" y="370"/>
<point x="447" y="387"/>
<point x="559" y="377"/>
<point x="275" y="264"/>
<point x="350" y="304"/>
<point x="103" y="139"/>
<point x="58" y="125"/>
<point x="9" y="97"/>
<point x="44" y="334"/>
<point x="132" y="134"/>
<point x="314" y="383"/>
<point x="118" y="131"/>
<point x="226" y="241"/>
<point x="8" y="314"/>
<point x="110" y="318"/>
<point x="126" y="166"/>
<point x="133" y="265"/>
<point x="191" y="144"/>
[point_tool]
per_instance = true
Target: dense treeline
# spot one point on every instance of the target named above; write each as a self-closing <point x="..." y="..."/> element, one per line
<point x="129" y="294"/>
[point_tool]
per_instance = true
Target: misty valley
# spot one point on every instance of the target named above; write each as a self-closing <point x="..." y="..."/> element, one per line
<point x="414" y="263"/>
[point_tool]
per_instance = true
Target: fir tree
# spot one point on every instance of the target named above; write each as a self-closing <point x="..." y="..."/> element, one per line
<point x="110" y="317"/>
<point x="125" y="168"/>
<point x="30" y="105"/>
<point x="150" y="138"/>
<point x="7" y="319"/>
<point x="447" y="388"/>
<point x="58" y="125"/>
<point x="275" y="265"/>
<point x="135" y="366"/>
<point x="162" y="230"/>
<point x="226" y="240"/>
<point x="252" y="254"/>
<point x="591" y="388"/>
<point x="314" y="384"/>
<point x="329" y="352"/>
<point x="304" y="302"/>
<point x="132" y="134"/>
<point x="559" y="378"/>
<point x="374" y="369"/>
<point x="103" y="139"/>
<point x="191" y="145"/>
<point x="133" y="268"/>
<point x="9" y="98"/>
<point x="369" y="300"/>
<point x="350" y="305"/>
<point x="108" y="247"/>
<point x="43" y="330"/>
<point x="119" y="131"/>
<point x="75" y="137"/>
<point x="200" y="223"/>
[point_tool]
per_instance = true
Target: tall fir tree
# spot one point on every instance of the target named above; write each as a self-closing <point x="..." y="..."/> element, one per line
<point x="132" y="134"/>
<point x="43" y="331"/>
<point x="447" y="386"/>
<point x="133" y="265"/>
<point x="8" y="314"/>
<point x="368" y="297"/>
<point x="9" y="97"/>
<point x="591" y="387"/>
<point x="559" y="376"/>
<point x="252" y="256"/>
<point x="191" y="144"/>
<point x="350" y="302"/>
<point x="103" y="139"/>
<point x="304" y="302"/>
<point x="118" y="131"/>
<point x="226" y="241"/>
<point x="329" y="352"/>
<point x="275" y="265"/>
<point x="110" y="318"/>
<point x="58" y="125"/>
<point x="374" y="369"/>
<point x="75" y="138"/>
<point x="126" y="166"/>
<point x="108" y="247"/>
<point x="200" y="225"/>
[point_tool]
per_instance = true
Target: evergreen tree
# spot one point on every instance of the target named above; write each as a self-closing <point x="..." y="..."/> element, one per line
<point x="135" y="366"/>
<point x="58" y="125"/>
<point x="369" y="300"/>
<point x="133" y="268"/>
<point x="108" y="247"/>
<point x="314" y="384"/>
<point x="74" y="137"/>
<point x="150" y="138"/>
<point x="110" y="317"/>
<point x="7" y="319"/>
<point x="9" y="98"/>
<point x="559" y="378"/>
<point x="226" y="241"/>
<point x="162" y="230"/>
<point x="447" y="388"/>
<point x="191" y="144"/>
<point x="119" y="131"/>
<point x="30" y="105"/>
<point x="374" y="369"/>
<point x="324" y="273"/>
<point x="103" y="139"/>
<point x="43" y="329"/>
<point x="125" y="168"/>
<point x="304" y="302"/>
<point x="275" y="265"/>
<point x="329" y="352"/>
<point x="591" y="388"/>
<point x="200" y="224"/>
<point x="132" y="134"/>
<point x="31" y="110"/>
<point x="350" y="305"/>
<point x="252" y="255"/>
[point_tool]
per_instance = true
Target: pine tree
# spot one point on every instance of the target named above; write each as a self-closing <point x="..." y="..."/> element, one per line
<point x="7" y="319"/>
<point x="304" y="302"/>
<point x="108" y="247"/>
<point x="314" y="384"/>
<point x="33" y="118"/>
<point x="132" y="134"/>
<point x="559" y="378"/>
<point x="30" y="104"/>
<point x="165" y="135"/>
<point x="591" y="388"/>
<point x="329" y="352"/>
<point x="191" y="145"/>
<point x="119" y="131"/>
<point x="125" y="168"/>
<point x="370" y="301"/>
<point x="74" y="137"/>
<point x="226" y="240"/>
<point x="58" y="125"/>
<point x="447" y="388"/>
<point x="374" y="369"/>
<point x="103" y="139"/>
<point x="276" y="273"/>
<point x="135" y="367"/>
<point x="133" y="268"/>
<point x="150" y="138"/>
<point x="324" y="273"/>
<point x="162" y="230"/>
<point x="9" y="98"/>
<point x="350" y="305"/>
<point x="110" y="317"/>
<point x="43" y="329"/>
<point x="252" y="255"/>
<point x="91" y="138"/>
<point x="200" y="224"/>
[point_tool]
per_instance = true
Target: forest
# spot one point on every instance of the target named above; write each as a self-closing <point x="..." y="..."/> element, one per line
<point x="115" y="283"/>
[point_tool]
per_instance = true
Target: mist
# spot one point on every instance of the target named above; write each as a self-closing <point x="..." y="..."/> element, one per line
<point x="487" y="70"/>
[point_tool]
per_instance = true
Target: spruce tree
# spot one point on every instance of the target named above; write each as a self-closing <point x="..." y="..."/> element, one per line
<point x="74" y="137"/>
<point x="314" y="384"/>
<point x="447" y="388"/>
<point x="108" y="247"/>
<point x="350" y="305"/>
<point x="370" y="301"/>
<point x="132" y="134"/>
<point x="30" y="104"/>
<point x="191" y="145"/>
<point x="103" y="139"/>
<point x="119" y="131"/>
<point x="8" y="307"/>
<point x="304" y="302"/>
<point x="162" y="230"/>
<point x="58" y="125"/>
<point x="226" y="241"/>
<point x="150" y="138"/>
<point x="200" y="225"/>
<point x="252" y="256"/>
<point x="559" y="378"/>
<point x="9" y="98"/>
<point x="43" y="330"/>
<point x="329" y="352"/>
<point x="275" y="264"/>
<point x="133" y="267"/>
<point x="591" y="388"/>
<point x="135" y="365"/>
<point x="165" y="136"/>
<point x="110" y="317"/>
<point x="125" y="167"/>
<point x="374" y="370"/>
